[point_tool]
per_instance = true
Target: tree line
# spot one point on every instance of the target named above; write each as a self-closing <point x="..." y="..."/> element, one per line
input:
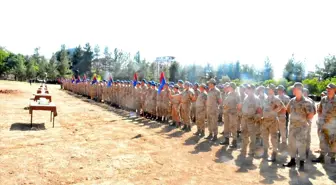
<point x="120" y="64"/>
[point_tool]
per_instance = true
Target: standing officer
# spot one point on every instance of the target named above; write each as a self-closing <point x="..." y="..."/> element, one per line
<point x="300" y="110"/>
<point x="282" y="114"/>
<point x="251" y="111"/>
<point x="201" y="111"/>
<point x="230" y="106"/>
<point x="213" y="102"/>
<point x="305" y="94"/>
<point x="193" y="104"/>
<point x="327" y="125"/>
<point x="270" y="125"/>
<point x="175" y="100"/>
<point x="165" y="103"/>
<point x="187" y="97"/>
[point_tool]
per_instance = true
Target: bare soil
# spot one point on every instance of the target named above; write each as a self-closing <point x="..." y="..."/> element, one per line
<point x="93" y="143"/>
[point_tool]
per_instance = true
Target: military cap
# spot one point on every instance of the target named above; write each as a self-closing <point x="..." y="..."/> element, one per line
<point x="203" y="85"/>
<point x="250" y="86"/>
<point x="118" y="81"/>
<point x="176" y="86"/>
<point x="331" y="86"/>
<point x="144" y="80"/>
<point x="212" y="81"/>
<point x="171" y="86"/>
<point x="305" y="90"/>
<point x="261" y="88"/>
<point x="271" y="86"/>
<point x="153" y="84"/>
<point x="206" y="87"/>
<point x="298" y="85"/>
<point x="227" y="84"/>
<point x="180" y="81"/>
<point x="187" y="83"/>
<point x="281" y="87"/>
<point x="139" y="82"/>
<point x="196" y="84"/>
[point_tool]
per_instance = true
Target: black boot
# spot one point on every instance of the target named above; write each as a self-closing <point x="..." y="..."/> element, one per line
<point x="214" y="138"/>
<point x="320" y="159"/>
<point x="184" y="127"/>
<point x="209" y="136"/>
<point x="225" y="142"/>
<point x="178" y="125"/>
<point x="202" y="134"/>
<point x="291" y="163"/>
<point x="272" y="158"/>
<point x="233" y="144"/>
<point x="173" y="124"/>
<point x="301" y="168"/>
<point x="189" y="128"/>
<point x="197" y="133"/>
<point x="332" y="160"/>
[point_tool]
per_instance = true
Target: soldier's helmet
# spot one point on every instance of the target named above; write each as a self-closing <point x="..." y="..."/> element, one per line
<point x="281" y="87"/>
<point x="212" y="81"/>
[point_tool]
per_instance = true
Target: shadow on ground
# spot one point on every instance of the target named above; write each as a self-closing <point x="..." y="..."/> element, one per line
<point x="27" y="127"/>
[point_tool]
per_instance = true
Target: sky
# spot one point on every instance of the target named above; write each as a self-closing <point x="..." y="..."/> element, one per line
<point x="193" y="31"/>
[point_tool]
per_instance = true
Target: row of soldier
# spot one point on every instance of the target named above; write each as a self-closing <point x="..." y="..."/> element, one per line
<point x="256" y="113"/>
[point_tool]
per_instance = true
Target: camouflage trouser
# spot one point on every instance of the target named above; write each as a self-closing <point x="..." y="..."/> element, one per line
<point x="175" y="112"/>
<point x="297" y="141"/>
<point x="231" y="126"/>
<point x="308" y="137"/>
<point x="212" y="118"/>
<point x="327" y="138"/>
<point x="269" y="127"/>
<point x="220" y="113"/>
<point x="137" y="106"/>
<point x="248" y="131"/>
<point x="185" y="113"/>
<point x="225" y="120"/>
<point x="165" y="110"/>
<point x="282" y="128"/>
<point x="200" y="118"/>
<point x="142" y="106"/>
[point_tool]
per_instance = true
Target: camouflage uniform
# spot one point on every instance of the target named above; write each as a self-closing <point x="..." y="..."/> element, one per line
<point x="270" y="124"/>
<point x="327" y="126"/>
<point x="282" y="116"/>
<point x="230" y="104"/>
<point x="186" y="99"/>
<point x="193" y="104"/>
<point x="165" y="103"/>
<point x="175" y="100"/>
<point x="262" y="97"/>
<point x="201" y="111"/>
<point x="213" y="101"/>
<point x="249" y="110"/>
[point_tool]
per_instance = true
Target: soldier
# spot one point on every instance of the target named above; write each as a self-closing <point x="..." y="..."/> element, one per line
<point x="300" y="111"/>
<point x="260" y="91"/>
<point x="193" y="104"/>
<point x="175" y="100"/>
<point x="241" y="97"/>
<point x="251" y="111"/>
<point x="143" y="96"/>
<point x="326" y="125"/>
<point x="230" y="106"/>
<point x="213" y="101"/>
<point x="225" y="113"/>
<point x="220" y="113"/>
<point x="282" y="114"/>
<point x="137" y="98"/>
<point x="269" y="127"/>
<point x="165" y="103"/>
<point x="201" y="111"/>
<point x="187" y="96"/>
<point x="305" y="94"/>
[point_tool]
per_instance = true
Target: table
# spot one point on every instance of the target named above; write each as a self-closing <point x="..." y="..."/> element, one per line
<point x="46" y="96"/>
<point x="50" y="107"/>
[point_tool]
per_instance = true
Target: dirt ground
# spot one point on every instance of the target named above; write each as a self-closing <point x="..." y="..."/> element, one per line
<point x="93" y="143"/>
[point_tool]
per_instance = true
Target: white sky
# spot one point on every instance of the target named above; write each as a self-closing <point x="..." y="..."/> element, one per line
<point x="192" y="30"/>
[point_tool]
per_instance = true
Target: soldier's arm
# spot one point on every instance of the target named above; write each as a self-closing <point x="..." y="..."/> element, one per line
<point x="319" y="108"/>
<point x="309" y="110"/>
<point x="288" y="108"/>
<point x="278" y="106"/>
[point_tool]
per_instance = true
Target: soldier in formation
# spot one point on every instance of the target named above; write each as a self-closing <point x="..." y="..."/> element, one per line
<point x="257" y="112"/>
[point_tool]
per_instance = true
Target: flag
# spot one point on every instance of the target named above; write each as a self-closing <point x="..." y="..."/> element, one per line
<point x="94" y="79"/>
<point x="73" y="79"/>
<point x="135" y="79"/>
<point x="110" y="82"/>
<point x="162" y="82"/>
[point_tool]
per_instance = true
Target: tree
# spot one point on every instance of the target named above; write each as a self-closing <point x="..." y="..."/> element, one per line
<point x="77" y="58"/>
<point x="85" y="66"/>
<point x="294" y="70"/>
<point x="267" y="72"/>
<point x="3" y="59"/>
<point x="173" y="71"/>
<point x="31" y="68"/>
<point x="52" y="68"/>
<point x="329" y="68"/>
<point x="63" y="65"/>
<point x="19" y="68"/>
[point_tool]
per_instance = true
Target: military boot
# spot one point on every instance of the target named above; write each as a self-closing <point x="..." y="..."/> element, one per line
<point x="272" y="158"/>
<point x="197" y="133"/>
<point x="173" y="124"/>
<point x="178" y="124"/>
<point x="291" y="163"/>
<point x="225" y="142"/>
<point x="202" y="134"/>
<point x="320" y="159"/>
<point x="189" y="128"/>
<point x="209" y="136"/>
<point x="233" y="144"/>
<point x="214" y="138"/>
<point x="301" y="168"/>
<point x="184" y="127"/>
